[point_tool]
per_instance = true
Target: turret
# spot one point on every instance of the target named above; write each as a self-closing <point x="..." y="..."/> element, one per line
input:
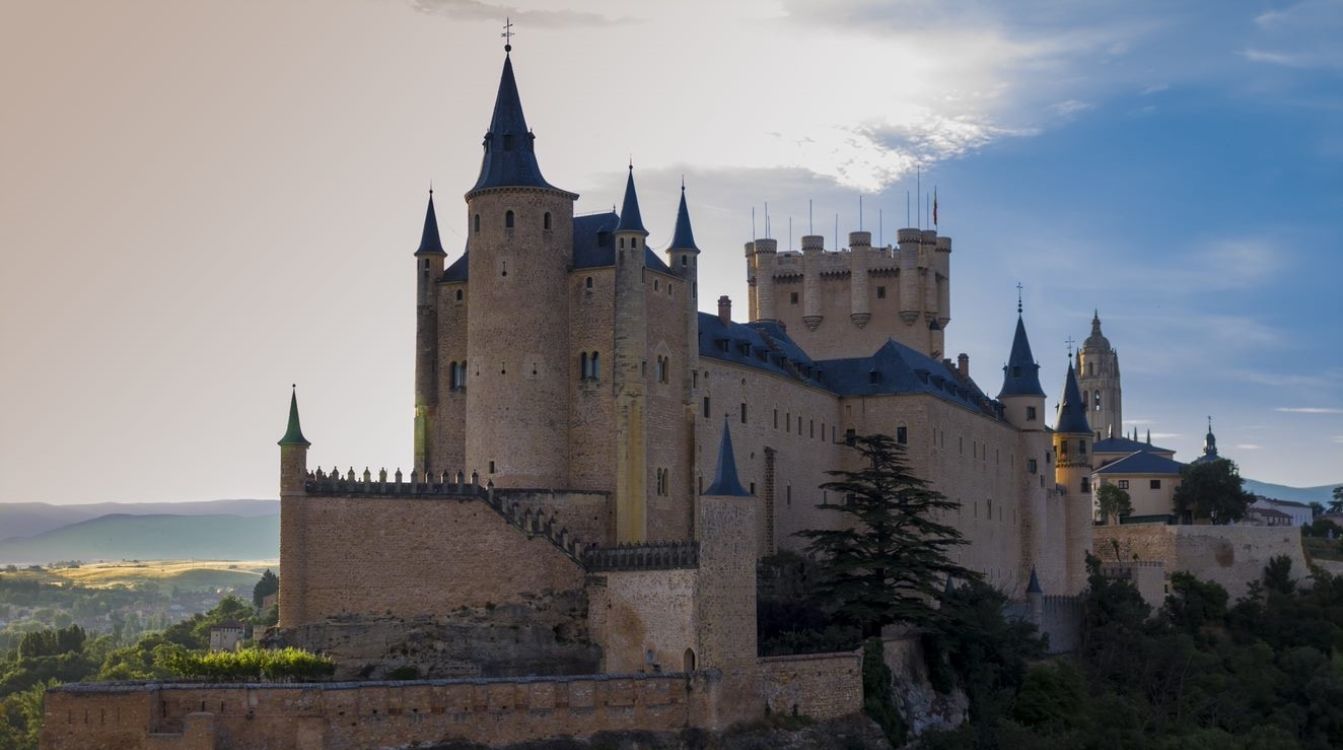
<point x="519" y="251"/>
<point x="1098" y="377"/>
<point x="763" y="253"/>
<point x="428" y="270"/>
<point x="293" y="451"/>
<point x="631" y="351"/>
<point x="813" y="245"/>
<point x="1021" y="393"/>
<point x="928" y="272"/>
<point x="860" y="252"/>
<point x="909" y="241"/>
<point x="293" y="475"/>
<point x="1072" y="475"/>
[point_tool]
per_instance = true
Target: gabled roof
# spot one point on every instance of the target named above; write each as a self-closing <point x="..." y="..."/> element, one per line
<point x="430" y="244"/>
<point x="725" y="482"/>
<point x="510" y="154"/>
<point x="1143" y="463"/>
<point x="1021" y="374"/>
<point x="1125" y="445"/>
<point x="1072" y="411"/>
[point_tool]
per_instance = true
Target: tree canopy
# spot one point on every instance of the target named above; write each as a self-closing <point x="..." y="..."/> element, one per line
<point x="1114" y="502"/>
<point x="1212" y="491"/>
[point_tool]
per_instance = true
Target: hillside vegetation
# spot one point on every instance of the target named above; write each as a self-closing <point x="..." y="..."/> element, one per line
<point x="155" y="537"/>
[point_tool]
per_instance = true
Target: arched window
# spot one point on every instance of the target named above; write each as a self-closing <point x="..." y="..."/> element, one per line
<point x="689" y="661"/>
<point x="622" y="243"/>
<point x="545" y="221"/>
<point x="476" y="223"/>
<point x="588" y="282"/>
<point x="1086" y="398"/>
<point x="508" y="219"/>
<point x="459" y="295"/>
<point x="583" y="366"/>
<point x="1097" y="396"/>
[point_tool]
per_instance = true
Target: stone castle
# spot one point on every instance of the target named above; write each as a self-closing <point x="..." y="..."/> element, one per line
<point x="598" y="466"/>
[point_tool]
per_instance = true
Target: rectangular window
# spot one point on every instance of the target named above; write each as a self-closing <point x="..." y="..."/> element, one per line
<point x="811" y="428"/>
<point x="788" y="496"/>
<point x="743" y="413"/>
<point x="1030" y="413"/>
<point x="706" y="407"/>
<point x="792" y="298"/>
<point x="1081" y="447"/>
<point x="1032" y="466"/>
<point x="1123" y="484"/>
<point x="1156" y="484"/>
<point x="881" y="292"/>
<point x="902" y="435"/>
<point x="776" y="419"/>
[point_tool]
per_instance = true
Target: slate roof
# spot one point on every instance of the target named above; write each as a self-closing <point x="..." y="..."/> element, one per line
<point x="631" y="220"/>
<point x="1142" y="462"/>
<point x="510" y="153"/>
<point x="1125" y="445"/>
<point x="1072" y="411"/>
<point x="725" y="482"/>
<point x="456" y="271"/>
<point x="593" y="247"/>
<point x="293" y="434"/>
<point x="684" y="237"/>
<point x="430" y="244"/>
<point x="1021" y="374"/>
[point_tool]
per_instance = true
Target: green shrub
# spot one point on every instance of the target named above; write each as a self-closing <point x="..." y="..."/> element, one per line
<point x="279" y="665"/>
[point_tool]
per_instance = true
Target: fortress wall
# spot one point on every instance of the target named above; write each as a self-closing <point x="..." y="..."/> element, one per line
<point x="802" y="452"/>
<point x="1061" y="620"/>
<point x="408" y="556"/>
<point x="357" y="716"/>
<point x="592" y="408"/>
<point x="644" y="619"/>
<point x="587" y="515"/>
<point x="669" y="512"/>
<point x="1232" y="556"/>
<point x="822" y="686"/>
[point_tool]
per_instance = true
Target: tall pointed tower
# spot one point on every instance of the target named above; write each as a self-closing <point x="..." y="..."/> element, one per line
<point x="1098" y="377"/>
<point x="628" y="375"/>
<point x="1073" y="439"/>
<point x="1024" y="405"/>
<point x="683" y="257"/>
<point x="293" y="473"/>
<point x="428" y="270"/>
<point x="520" y="245"/>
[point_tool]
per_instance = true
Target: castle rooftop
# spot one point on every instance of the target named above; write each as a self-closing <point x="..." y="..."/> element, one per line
<point x="510" y="147"/>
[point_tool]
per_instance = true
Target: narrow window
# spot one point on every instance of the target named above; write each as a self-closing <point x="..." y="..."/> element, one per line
<point x="1086" y="485"/>
<point x="596" y="362"/>
<point x="1030" y="413"/>
<point x="684" y="258"/>
<point x="881" y="292"/>
<point x="776" y="419"/>
<point x="545" y="221"/>
<point x="1081" y="447"/>
<point x="459" y="295"/>
<point x="1097" y="397"/>
<point x="588" y="282"/>
<point x="452" y="376"/>
<point x="1032" y="466"/>
<point x="508" y="219"/>
<point x="743" y="412"/>
<point x="476" y="224"/>
<point x="792" y="298"/>
<point x="508" y="141"/>
<point x="902" y="435"/>
<point x="788" y="496"/>
<point x="706" y="407"/>
<point x="491" y="467"/>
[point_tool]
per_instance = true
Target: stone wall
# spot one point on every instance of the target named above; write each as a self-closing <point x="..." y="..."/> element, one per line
<point x="822" y="686"/>
<point x="644" y="619"/>
<point x="358" y="716"/>
<point x="1232" y="556"/>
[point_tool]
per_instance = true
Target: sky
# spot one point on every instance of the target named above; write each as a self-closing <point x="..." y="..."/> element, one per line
<point x="202" y="203"/>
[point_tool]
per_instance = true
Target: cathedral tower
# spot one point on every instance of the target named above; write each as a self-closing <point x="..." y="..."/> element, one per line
<point x="520" y="231"/>
<point x="428" y="269"/>
<point x="1098" y="377"/>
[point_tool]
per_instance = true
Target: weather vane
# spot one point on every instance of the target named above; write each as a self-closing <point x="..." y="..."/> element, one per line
<point x="1070" y="347"/>
<point x="1019" y="298"/>
<point x="508" y="34"/>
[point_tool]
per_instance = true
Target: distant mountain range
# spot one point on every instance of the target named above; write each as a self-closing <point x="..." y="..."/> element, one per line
<point x="123" y="536"/>
<point x="30" y="519"/>
<point x="1321" y="494"/>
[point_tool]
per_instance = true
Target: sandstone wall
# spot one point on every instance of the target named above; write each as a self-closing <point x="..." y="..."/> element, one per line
<point x="359" y="716"/>
<point x="822" y="686"/>
<point x="1232" y="556"/>
<point x="592" y="425"/>
<point x="671" y="508"/>
<point x="405" y="556"/>
<point x="644" y="619"/>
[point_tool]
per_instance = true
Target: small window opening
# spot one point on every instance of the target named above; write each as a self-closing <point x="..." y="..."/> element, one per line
<point x="508" y="219"/>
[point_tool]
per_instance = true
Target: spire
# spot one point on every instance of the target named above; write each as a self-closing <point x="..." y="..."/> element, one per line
<point x="1034" y="586"/>
<point x="1210" y="441"/>
<point x="1097" y="339"/>
<point x="1021" y="375"/>
<point x="725" y="483"/>
<point x="510" y="154"/>
<point x="630" y="219"/>
<point x="429" y="241"/>
<point x="1149" y="435"/>
<point x="683" y="238"/>
<point x="1072" y="412"/>
<point x="294" y="434"/>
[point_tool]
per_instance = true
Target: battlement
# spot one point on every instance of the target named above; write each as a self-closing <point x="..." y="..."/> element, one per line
<point x="652" y="556"/>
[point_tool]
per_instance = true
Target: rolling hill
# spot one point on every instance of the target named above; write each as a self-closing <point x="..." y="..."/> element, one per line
<point x="121" y="536"/>
<point x="29" y="519"/>
<point x="1321" y="494"/>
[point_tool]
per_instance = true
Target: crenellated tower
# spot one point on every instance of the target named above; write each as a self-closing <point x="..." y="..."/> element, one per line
<point x="1098" y="377"/>
<point x="519" y="249"/>
<point x="428" y="269"/>
<point x="629" y="373"/>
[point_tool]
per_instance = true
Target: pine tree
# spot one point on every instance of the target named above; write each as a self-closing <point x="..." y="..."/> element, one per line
<point x="269" y="584"/>
<point x="889" y="563"/>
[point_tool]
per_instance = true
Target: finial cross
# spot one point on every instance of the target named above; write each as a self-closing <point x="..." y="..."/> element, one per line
<point x="508" y="35"/>
<point x="1070" y="346"/>
<point x="1019" y="287"/>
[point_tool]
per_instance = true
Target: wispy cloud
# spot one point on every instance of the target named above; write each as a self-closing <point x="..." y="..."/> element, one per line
<point x="1338" y="439"/>
<point x="1303" y="35"/>
<point x="1248" y="446"/>
<point x="477" y="10"/>
<point x="1308" y="410"/>
<point x="1166" y="435"/>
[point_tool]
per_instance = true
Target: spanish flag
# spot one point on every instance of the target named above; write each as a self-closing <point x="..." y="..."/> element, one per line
<point x="934" y="206"/>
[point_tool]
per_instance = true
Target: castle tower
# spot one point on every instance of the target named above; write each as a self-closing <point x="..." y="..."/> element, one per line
<point x="519" y="248"/>
<point x="761" y="255"/>
<point x="293" y="474"/>
<point x="1098" y="376"/>
<point x="683" y="255"/>
<point x="628" y="373"/>
<point x="1072" y="475"/>
<point x="428" y="270"/>
<point x="813" y="248"/>
<point x="860" y="251"/>
<point x="725" y="605"/>
<point x="1024" y="405"/>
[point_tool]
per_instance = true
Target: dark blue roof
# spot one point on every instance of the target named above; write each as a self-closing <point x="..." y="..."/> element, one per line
<point x="1142" y="462"/>
<point x="683" y="238"/>
<point x="456" y="271"/>
<point x="1034" y="586"/>
<point x="630" y="218"/>
<point x="1021" y="374"/>
<point x="1072" y="411"/>
<point x="762" y="346"/>
<point x="430" y="244"/>
<point x="594" y="248"/>
<point x="510" y="153"/>
<point x="725" y="482"/>
<point x="1124" y="445"/>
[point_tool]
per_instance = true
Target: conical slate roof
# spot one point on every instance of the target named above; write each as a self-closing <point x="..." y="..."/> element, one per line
<point x="1072" y="410"/>
<point x="630" y="218"/>
<point x="683" y="238"/>
<point x="1021" y="375"/>
<point x="725" y="483"/>
<point x="1033" y="587"/>
<point x="430" y="244"/>
<point x="510" y="154"/>
<point x="294" y="434"/>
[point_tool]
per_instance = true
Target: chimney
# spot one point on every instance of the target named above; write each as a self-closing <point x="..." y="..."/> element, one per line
<point x="963" y="364"/>
<point x="725" y="309"/>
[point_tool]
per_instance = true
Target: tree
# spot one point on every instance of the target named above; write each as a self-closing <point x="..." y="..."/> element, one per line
<point x="1212" y="490"/>
<point x="269" y="584"/>
<point x="1114" y="502"/>
<point x="890" y="560"/>
<point x="1336" y="505"/>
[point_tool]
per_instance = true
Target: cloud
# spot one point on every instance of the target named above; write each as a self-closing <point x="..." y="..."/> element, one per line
<point x="1166" y="435"/>
<point x="477" y="10"/>
<point x="1303" y="36"/>
<point x="1338" y="439"/>
<point x="1308" y="410"/>
<point x="1139" y="421"/>
<point x="1071" y="107"/>
<point x="1248" y="446"/>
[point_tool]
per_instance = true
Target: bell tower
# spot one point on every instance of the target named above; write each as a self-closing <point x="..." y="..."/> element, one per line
<point x="1098" y="377"/>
